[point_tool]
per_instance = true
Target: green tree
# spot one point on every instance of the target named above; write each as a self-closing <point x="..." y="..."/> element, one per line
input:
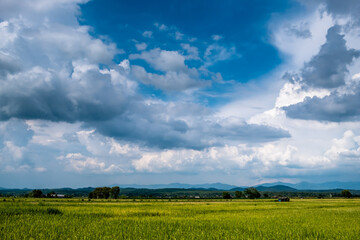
<point x="100" y="192"/>
<point x="238" y="194"/>
<point x="346" y="193"/>
<point x="114" y="192"/>
<point x="226" y="195"/>
<point x="252" y="193"/>
<point x="36" y="193"/>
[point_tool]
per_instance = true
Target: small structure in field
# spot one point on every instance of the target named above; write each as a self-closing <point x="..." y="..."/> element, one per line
<point x="284" y="199"/>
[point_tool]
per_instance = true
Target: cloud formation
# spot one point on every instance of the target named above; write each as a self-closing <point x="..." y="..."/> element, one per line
<point x="328" y="68"/>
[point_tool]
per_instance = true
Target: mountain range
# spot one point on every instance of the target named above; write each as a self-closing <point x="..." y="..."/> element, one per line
<point x="261" y="187"/>
<point x="276" y="186"/>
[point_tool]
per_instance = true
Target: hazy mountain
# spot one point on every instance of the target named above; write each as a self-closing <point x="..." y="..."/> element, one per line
<point x="218" y="186"/>
<point x="276" y="188"/>
<point x="316" y="186"/>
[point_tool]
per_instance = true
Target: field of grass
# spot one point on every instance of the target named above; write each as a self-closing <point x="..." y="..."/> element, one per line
<point x="22" y="218"/>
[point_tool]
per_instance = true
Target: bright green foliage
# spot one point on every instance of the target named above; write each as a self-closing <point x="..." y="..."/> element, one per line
<point x="179" y="219"/>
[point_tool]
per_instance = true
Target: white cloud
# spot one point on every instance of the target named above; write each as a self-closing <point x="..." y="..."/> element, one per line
<point x="162" y="59"/>
<point x="80" y="163"/>
<point x="292" y="93"/>
<point x="192" y="52"/>
<point x="161" y="27"/>
<point x="179" y="35"/>
<point x="216" y="37"/>
<point x="215" y="53"/>
<point x="346" y="148"/>
<point x="148" y="34"/>
<point x="141" y="46"/>
<point x="171" y="80"/>
<point x="298" y="48"/>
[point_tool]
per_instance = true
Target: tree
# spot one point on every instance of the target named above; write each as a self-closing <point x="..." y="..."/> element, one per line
<point x="226" y="195"/>
<point x="100" y="192"/>
<point x="346" y="193"/>
<point x="36" y="193"/>
<point x="114" y="192"/>
<point x="238" y="194"/>
<point x="252" y="193"/>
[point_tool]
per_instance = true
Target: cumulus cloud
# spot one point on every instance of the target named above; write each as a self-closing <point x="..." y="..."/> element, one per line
<point x="328" y="68"/>
<point x="336" y="107"/>
<point x="348" y="8"/>
<point x="167" y="126"/>
<point x="177" y="75"/>
<point x="171" y="81"/>
<point x="162" y="60"/>
<point x="79" y="163"/>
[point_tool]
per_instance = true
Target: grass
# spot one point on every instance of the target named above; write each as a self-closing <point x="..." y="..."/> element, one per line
<point x="179" y="219"/>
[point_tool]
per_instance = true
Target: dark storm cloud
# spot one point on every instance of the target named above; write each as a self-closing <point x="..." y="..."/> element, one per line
<point x="336" y="8"/>
<point x="328" y="68"/>
<point x="155" y="126"/>
<point x="7" y="65"/>
<point x="333" y="108"/>
<point x="29" y="96"/>
<point x="344" y="8"/>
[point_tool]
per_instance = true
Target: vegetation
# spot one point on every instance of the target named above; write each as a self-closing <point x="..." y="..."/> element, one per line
<point x="53" y="218"/>
<point x="346" y="193"/>
<point x="238" y="194"/>
<point x="176" y="193"/>
<point x="252" y="193"/>
<point x="226" y="195"/>
<point x="105" y="192"/>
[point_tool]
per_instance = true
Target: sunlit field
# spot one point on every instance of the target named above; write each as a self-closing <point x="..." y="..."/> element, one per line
<point x="22" y="218"/>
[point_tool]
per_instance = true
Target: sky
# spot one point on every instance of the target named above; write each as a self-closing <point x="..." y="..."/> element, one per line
<point x="96" y="93"/>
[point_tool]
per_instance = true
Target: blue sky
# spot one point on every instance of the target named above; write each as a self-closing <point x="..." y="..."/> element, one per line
<point x="144" y="92"/>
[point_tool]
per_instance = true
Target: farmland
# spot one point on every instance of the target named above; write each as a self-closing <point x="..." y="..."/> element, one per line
<point x="26" y="218"/>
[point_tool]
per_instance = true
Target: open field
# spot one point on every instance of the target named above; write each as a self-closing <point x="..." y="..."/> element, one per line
<point x="22" y="218"/>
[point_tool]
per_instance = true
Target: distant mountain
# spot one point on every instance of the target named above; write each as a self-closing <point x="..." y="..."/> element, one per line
<point x="276" y="188"/>
<point x="316" y="186"/>
<point x="218" y="186"/>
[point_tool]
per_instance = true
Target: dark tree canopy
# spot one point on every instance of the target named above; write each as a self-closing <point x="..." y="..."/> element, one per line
<point x="346" y="193"/>
<point x="100" y="192"/>
<point x="114" y="192"/>
<point x="105" y="192"/>
<point x="36" y="193"/>
<point x="238" y="194"/>
<point x="226" y="195"/>
<point x="252" y="193"/>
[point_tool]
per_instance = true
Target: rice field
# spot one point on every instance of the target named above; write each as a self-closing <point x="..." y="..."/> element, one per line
<point x="22" y="218"/>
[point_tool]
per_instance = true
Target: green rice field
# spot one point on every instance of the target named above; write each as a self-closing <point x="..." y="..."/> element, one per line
<point x="24" y="218"/>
